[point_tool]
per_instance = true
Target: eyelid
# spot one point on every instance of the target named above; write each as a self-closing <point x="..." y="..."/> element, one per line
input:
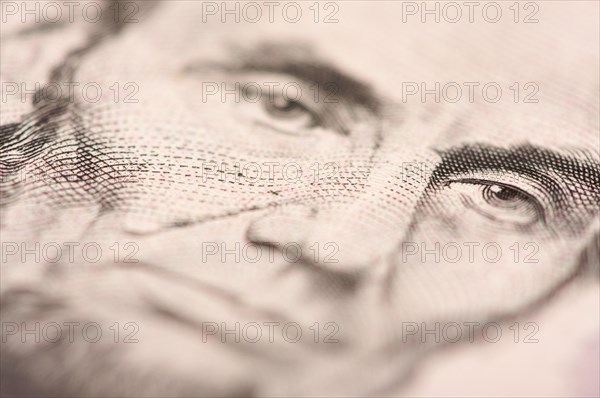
<point x="325" y="114"/>
<point x="329" y="115"/>
<point x="313" y="94"/>
<point x="531" y="200"/>
<point x="314" y="109"/>
<point x="349" y="89"/>
<point x="526" y="185"/>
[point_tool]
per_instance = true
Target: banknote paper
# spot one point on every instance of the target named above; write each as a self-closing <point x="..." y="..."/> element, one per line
<point x="300" y="198"/>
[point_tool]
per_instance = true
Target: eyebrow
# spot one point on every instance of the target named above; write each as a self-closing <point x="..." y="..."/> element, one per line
<point x="296" y="60"/>
<point x="324" y="75"/>
<point x="528" y="160"/>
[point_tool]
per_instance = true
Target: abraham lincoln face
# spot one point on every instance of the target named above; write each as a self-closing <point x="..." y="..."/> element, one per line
<point x="344" y="143"/>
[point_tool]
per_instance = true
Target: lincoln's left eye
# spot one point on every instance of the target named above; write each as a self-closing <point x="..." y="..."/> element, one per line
<point x="504" y="196"/>
<point x="500" y="202"/>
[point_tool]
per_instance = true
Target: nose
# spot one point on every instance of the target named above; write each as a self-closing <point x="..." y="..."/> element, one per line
<point x="352" y="234"/>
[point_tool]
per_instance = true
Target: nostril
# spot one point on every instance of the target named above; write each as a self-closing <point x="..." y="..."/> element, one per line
<point x="289" y="224"/>
<point x="326" y="243"/>
<point x="292" y="230"/>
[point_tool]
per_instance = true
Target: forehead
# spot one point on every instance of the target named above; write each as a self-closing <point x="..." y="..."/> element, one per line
<point x="360" y="34"/>
<point x="388" y="46"/>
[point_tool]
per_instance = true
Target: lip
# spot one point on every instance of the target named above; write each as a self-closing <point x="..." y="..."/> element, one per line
<point x="204" y="286"/>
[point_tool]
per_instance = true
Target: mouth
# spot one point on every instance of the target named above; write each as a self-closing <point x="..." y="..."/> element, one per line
<point x="234" y="302"/>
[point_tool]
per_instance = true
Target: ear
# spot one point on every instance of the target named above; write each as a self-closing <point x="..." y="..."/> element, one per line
<point x="30" y="52"/>
<point x="36" y="45"/>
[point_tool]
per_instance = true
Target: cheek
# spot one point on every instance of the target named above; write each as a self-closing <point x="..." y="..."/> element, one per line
<point x="471" y="276"/>
<point x="192" y="168"/>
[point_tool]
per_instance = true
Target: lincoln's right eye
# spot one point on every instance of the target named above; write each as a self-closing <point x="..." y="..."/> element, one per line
<point x="290" y="110"/>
